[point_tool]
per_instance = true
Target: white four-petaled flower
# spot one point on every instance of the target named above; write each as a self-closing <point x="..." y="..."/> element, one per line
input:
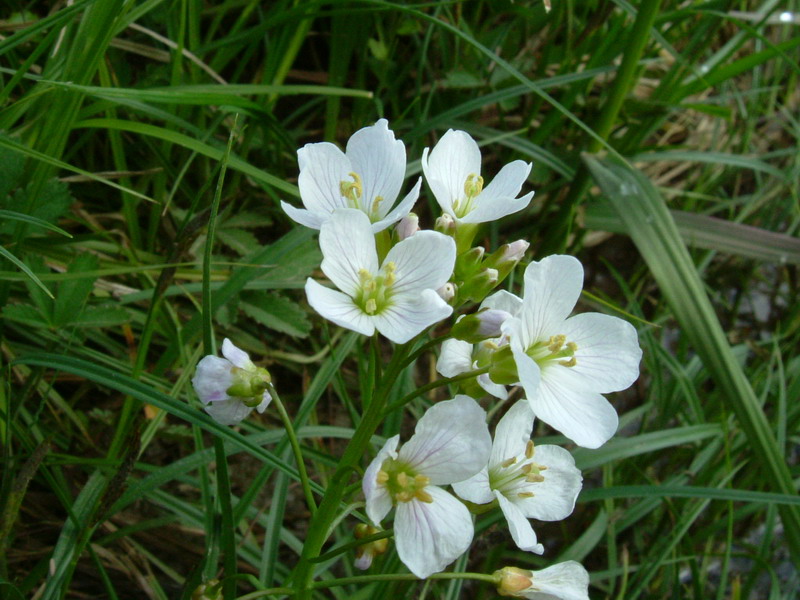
<point x="527" y="481"/>
<point x="231" y="387"/>
<point x="397" y="297"/>
<point x="451" y="443"/>
<point x="562" y="581"/>
<point x="565" y="363"/>
<point x="367" y="177"/>
<point x="452" y="170"/>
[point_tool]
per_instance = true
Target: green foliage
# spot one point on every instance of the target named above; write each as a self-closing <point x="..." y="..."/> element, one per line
<point x="108" y="167"/>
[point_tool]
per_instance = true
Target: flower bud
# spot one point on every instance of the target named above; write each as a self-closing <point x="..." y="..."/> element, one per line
<point x="503" y="368"/>
<point x="447" y="292"/>
<point x="210" y="590"/>
<point x="506" y="257"/>
<point x="478" y="286"/>
<point x="446" y="225"/>
<point x="513" y="581"/>
<point x="480" y="325"/>
<point x="407" y="226"/>
<point x="368" y="551"/>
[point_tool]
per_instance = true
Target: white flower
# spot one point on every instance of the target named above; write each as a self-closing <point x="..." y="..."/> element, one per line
<point x="231" y="387"/>
<point x="367" y="176"/>
<point x="458" y="356"/>
<point x="432" y="528"/>
<point x="563" y="581"/>
<point x="398" y="298"/>
<point x="452" y="171"/>
<point x="527" y="482"/>
<point x="565" y="364"/>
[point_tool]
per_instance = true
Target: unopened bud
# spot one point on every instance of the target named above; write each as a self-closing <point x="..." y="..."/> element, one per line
<point x="479" y="326"/>
<point x="447" y="292"/>
<point x="512" y="581"/>
<point x="446" y="225"/>
<point x="479" y="286"/>
<point x="210" y="590"/>
<point x="506" y="257"/>
<point x="368" y="551"/>
<point x="407" y="226"/>
<point x="503" y="368"/>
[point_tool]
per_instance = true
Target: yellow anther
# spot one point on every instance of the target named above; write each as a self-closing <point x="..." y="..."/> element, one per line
<point x="423" y="496"/>
<point x="376" y="204"/>
<point x="404" y="496"/>
<point x="371" y="307"/>
<point x="541" y="467"/>
<point x="569" y="363"/>
<point x="526" y="468"/>
<point x="352" y="190"/>
<point x="473" y="185"/>
<point x="529" y="449"/>
<point x="420" y="481"/>
<point x="402" y="479"/>
<point x="490" y="345"/>
<point x="534" y="478"/>
<point x="389" y="268"/>
<point x="525" y="495"/>
<point x="382" y="477"/>
<point x="572" y="346"/>
<point x="508" y="462"/>
<point x="556" y="342"/>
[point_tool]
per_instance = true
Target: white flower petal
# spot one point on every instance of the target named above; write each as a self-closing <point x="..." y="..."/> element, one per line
<point x="475" y="489"/>
<point x="409" y="315"/>
<point x="587" y="418"/>
<point x="512" y="434"/>
<point x="347" y="246"/>
<point x="530" y="375"/>
<point x="451" y="441"/>
<point x="554" y="498"/>
<point x="506" y="184"/>
<point x="265" y="400"/>
<point x="304" y="217"/>
<point x="492" y="388"/>
<point x="380" y="160"/>
<point x="322" y="168"/>
<point x="455" y="358"/>
<point x="423" y="261"/>
<point x="446" y="168"/>
<point x="338" y="307"/>
<point x="608" y="352"/>
<point x="237" y="356"/>
<point x="228" y="412"/>
<point x="379" y="503"/>
<point x="431" y="535"/>
<point x="552" y="288"/>
<point x="520" y="528"/>
<point x="399" y="211"/>
<point x="212" y="379"/>
<point x="564" y="581"/>
<point x="503" y="300"/>
<point x="496" y="209"/>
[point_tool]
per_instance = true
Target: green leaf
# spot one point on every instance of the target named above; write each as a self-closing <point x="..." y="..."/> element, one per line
<point x="73" y="293"/>
<point x="655" y="234"/>
<point x="16" y="216"/>
<point x="25" y="269"/>
<point x="25" y="314"/>
<point x="238" y="240"/>
<point x="278" y="313"/>
<point x="101" y="316"/>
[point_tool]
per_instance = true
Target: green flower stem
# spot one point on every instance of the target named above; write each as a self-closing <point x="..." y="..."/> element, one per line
<point x="386" y="533"/>
<point x="425" y="347"/>
<point x="326" y="514"/>
<point x="278" y="591"/>
<point x="555" y="240"/>
<point x="435" y="384"/>
<point x="298" y="453"/>
<point x="493" y="579"/>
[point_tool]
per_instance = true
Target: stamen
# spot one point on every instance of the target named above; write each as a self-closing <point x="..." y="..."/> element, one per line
<point x="352" y="190"/>
<point x="373" y="211"/>
<point x="525" y="495"/>
<point x="529" y="449"/>
<point x="526" y="468"/>
<point x="404" y="496"/>
<point x="371" y="307"/>
<point x="423" y="496"/>
<point x="402" y="479"/>
<point x="421" y="481"/>
<point x="556" y="342"/>
<point x="389" y="268"/>
<point x="508" y="462"/>
<point x="534" y="478"/>
<point x="382" y="477"/>
<point x="569" y="363"/>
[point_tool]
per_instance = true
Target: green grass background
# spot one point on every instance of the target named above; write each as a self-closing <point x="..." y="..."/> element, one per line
<point x="664" y="138"/>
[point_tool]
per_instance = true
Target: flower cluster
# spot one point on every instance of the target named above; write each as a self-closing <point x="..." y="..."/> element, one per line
<point x="390" y="277"/>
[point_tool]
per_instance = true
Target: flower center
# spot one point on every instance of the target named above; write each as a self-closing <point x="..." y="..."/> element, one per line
<point x="514" y="474"/>
<point x="375" y="291"/>
<point x="352" y="191"/>
<point x="473" y="186"/>
<point x="249" y="385"/>
<point x="402" y="482"/>
<point x="556" y="348"/>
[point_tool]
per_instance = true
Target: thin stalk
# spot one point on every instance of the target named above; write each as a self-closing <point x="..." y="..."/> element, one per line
<point x="298" y="452"/>
<point x="403" y="577"/>
<point x="386" y="533"/>
<point x="556" y="238"/>
<point x="435" y="384"/>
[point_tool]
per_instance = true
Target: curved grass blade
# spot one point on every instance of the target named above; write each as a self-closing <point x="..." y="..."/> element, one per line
<point x="656" y="236"/>
<point x="25" y="269"/>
